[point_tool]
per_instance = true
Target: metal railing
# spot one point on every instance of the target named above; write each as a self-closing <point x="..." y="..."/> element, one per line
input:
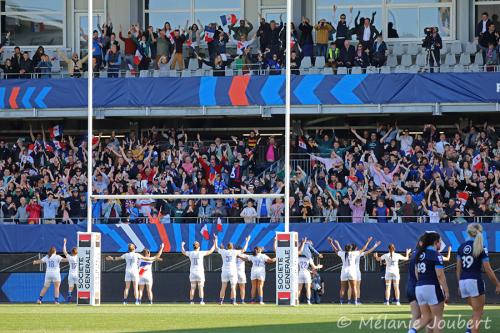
<point x="237" y="219"/>
<point x="41" y="220"/>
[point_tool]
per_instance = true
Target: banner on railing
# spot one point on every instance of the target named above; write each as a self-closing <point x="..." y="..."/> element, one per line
<point x="252" y="90"/>
<point x="115" y="237"/>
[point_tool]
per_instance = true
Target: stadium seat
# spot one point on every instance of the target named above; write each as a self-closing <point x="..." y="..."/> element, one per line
<point x="445" y="68"/>
<point x="342" y="70"/>
<point x="128" y="74"/>
<point x="413" y="69"/>
<point x="459" y="68"/>
<point x="163" y="73"/>
<point x="400" y="69"/>
<point x="385" y="70"/>
<point x="186" y="73"/>
<point x="392" y="60"/>
<point x="471" y="48"/>
<point x="479" y="59"/>
<point x="413" y="49"/>
<point x="421" y="59"/>
<point x="406" y="60"/>
<point x="198" y="72"/>
<point x="229" y="72"/>
<point x="356" y="70"/>
<point x="193" y="64"/>
<point x="450" y="59"/>
<point x="456" y="48"/>
<point x="306" y="63"/>
<point x="173" y="73"/>
<point x="372" y="70"/>
<point x="465" y="59"/>
<point x="144" y="73"/>
<point x="56" y="66"/>
<point x="320" y="62"/>
<point x="103" y="74"/>
<point x="445" y="49"/>
<point x="473" y="68"/>
<point x="328" y="71"/>
<point x="156" y="73"/>
<point x="398" y="49"/>
<point x="205" y="66"/>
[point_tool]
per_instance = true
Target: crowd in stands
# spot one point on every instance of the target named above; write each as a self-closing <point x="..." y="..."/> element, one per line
<point x="392" y="175"/>
<point x="236" y="44"/>
<point x="169" y="162"/>
<point x="44" y="179"/>
<point x="22" y="65"/>
<point x="330" y="43"/>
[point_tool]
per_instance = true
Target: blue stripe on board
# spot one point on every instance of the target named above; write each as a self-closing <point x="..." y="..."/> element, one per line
<point x="149" y="237"/>
<point x="176" y="227"/>
<point x="237" y="233"/>
<point x="114" y="235"/>
<point x="271" y="233"/>
<point x="191" y="234"/>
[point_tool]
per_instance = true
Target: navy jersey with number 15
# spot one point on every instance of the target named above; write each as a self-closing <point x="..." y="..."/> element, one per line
<point x="426" y="265"/>
<point x="471" y="267"/>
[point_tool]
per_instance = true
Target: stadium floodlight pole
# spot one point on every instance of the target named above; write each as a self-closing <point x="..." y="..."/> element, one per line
<point x="185" y="196"/>
<point x="90" y="117"/>
<point x="288" y="87"/>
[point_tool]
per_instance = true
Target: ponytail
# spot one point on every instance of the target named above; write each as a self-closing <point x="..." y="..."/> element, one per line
<point x="475" y="230"/>
<point x="392" y="248"/>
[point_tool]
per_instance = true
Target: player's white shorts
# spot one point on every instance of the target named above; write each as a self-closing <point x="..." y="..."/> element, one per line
<point x="242" y="277"/>
<point x="131" y="276"/>
<point x="392" y="276"/>
<point x="52" y="277"/>
<point x="146" y="280"/>
<point x="229" y="276"/>
<point x="471" y="288"/>
<point x="304" y="277"/>
<point x="258" y="275"/>
<point x="197" y="276"/>
<point x="72" y="280"/>
<point x="429" y="294"/>
<point x="348" y="275"/>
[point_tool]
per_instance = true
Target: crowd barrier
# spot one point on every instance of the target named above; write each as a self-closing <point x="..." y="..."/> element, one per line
<point x="115" y="237"/>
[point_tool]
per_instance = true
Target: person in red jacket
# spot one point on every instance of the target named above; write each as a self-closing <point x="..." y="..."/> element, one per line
<point x="213" y="168"/>
<point x="34" y="211"/>
<point x="130" y="45"/>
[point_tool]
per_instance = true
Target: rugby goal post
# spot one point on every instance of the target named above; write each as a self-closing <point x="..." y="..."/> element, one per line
<point x="89" y="268"/>
<point x="287" y="257"/>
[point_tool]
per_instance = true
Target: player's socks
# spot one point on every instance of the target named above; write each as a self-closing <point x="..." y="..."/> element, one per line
<point x="233" y="301"/>
<point x="242" y="301"/>
<point x="309" y="301"/>
<point x="221" y="301"/>
<point x="358" y="300"/>
<point x="261" y="299"/>
<point x="469" y="330"/>
<point x="124" y="301"/>
<point x="56" y="300"/>
<point x="342" y="301"/>
<point x="70" y="295"/>
<point x="252" y="300"/>
<point x="412" y="330"/>
<point x="40" y="299"/>
<point x="386" y="302"/>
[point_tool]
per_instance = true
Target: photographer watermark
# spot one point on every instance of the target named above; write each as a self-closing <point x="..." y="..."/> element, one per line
<point x="383" y="322"/>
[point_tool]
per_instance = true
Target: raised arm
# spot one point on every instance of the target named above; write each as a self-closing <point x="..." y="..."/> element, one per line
<point x="64" y="248"/>
<point x="448" y="255"/>
<point x="247" y="240"/>
<point x="373" y="247"/>
<point x="363" y="249"/>
<point x="212" y="249"/>
<point x="407" y="256"/>
<point x="359" y="137"/>
<point x="377" y="257"/>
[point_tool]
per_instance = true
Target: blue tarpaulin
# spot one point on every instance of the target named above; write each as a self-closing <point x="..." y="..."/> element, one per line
<point x="253" y="90"/>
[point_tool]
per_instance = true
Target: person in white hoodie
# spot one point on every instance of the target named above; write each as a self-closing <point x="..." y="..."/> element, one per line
<point x="249" y="214"/>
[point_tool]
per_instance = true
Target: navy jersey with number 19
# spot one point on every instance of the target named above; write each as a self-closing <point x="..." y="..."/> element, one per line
<point x="471" y="267"/>
<point x="426" y="265"/>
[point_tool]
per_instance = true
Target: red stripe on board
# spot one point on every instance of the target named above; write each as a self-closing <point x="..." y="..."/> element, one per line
<point x="13" y="97"/>
<point x="238" y="89"/>
<point x="84" y="294"/>
<point x="284" y="295"/>
<point x="84" y="237"/>
<point x="283" y="237"/>
<point x="164" y="237"/>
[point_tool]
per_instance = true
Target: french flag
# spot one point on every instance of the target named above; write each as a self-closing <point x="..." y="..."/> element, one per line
<point x="59" y="145"/>
<point x="49" y="148"/>
<point x="477" y="163"/>
<point x="228" y="19"/>
<point x="204" y="232"/>
<point x="137" y="57"/>
<point x="302" y="143"/>
<point x="55" y="131"/>
<point x="209" y="34"/>
<point x="31" y="148"/>
<point x="219" y="225"/>
<point x="190" y="44"/>
<point x="171" y="36"/>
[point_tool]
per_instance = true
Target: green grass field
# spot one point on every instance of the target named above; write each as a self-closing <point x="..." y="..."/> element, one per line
<point x="212" y="318"/>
